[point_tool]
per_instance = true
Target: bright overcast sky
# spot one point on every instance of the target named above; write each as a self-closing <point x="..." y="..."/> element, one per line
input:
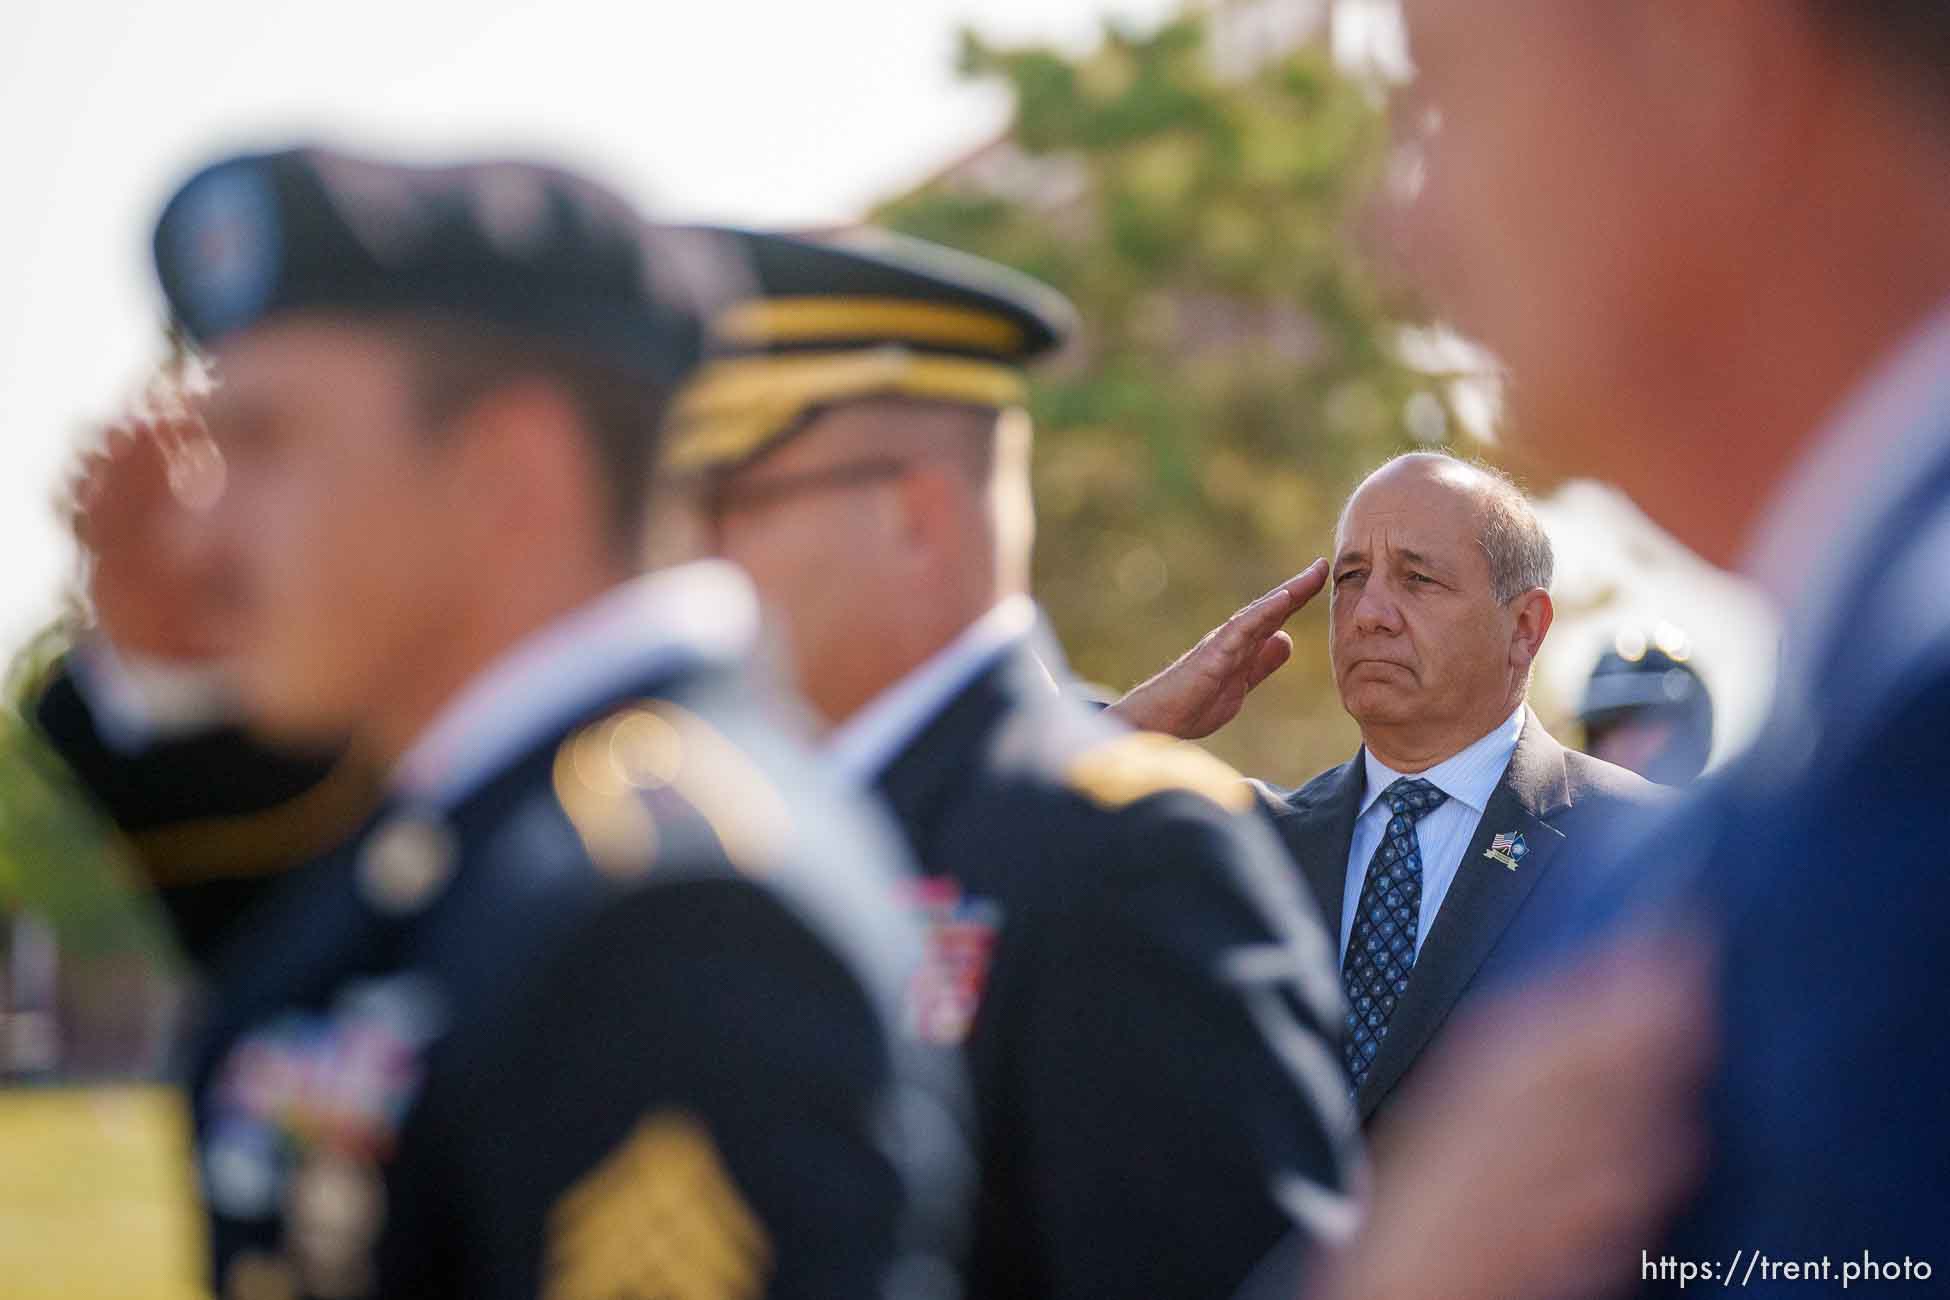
<point x="765" y="111"/>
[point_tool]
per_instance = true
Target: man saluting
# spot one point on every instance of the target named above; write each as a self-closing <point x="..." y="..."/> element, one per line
<point x="1441" y="852"/>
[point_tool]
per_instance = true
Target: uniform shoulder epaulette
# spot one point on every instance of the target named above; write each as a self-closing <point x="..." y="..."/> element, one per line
<point x="1128" y="768"/>
<point x="610" y="775"/>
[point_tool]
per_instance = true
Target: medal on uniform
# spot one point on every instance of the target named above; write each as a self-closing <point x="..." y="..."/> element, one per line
<point x="946" y="991"/>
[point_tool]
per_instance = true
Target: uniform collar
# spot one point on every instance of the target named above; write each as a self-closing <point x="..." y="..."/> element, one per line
<point x="1469" y="777"/>
<point x="863" y="745"/>
<point x="705" y="611"/>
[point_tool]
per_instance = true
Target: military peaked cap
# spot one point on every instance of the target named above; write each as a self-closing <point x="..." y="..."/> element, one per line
<point x="870" y="315"/>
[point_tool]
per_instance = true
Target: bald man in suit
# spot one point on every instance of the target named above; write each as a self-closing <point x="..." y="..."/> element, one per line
<point x="1442" y="849"/>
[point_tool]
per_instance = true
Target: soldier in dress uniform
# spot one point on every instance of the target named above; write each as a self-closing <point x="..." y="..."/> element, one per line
<point x="599" y="1003"/>
<point x="1145" y="1001"/>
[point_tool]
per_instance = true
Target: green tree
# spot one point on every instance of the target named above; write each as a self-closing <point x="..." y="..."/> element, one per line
<point x="1236" y="373"/>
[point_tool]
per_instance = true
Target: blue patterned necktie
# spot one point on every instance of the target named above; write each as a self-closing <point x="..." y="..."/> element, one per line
<point x="1381" y="945"/>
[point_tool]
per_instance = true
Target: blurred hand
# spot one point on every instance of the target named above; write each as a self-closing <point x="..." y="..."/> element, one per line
<point x="1207" y="686"/>
<point x="1548" y="1140"/>
<point x="136" y="508"/>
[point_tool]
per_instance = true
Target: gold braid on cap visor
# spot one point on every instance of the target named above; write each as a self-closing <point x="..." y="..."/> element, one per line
<point x="773" y="321"/>
<point x="734" y="407"/>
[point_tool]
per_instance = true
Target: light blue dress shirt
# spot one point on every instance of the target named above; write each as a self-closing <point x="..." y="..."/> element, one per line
<point x="1469" y="778"/>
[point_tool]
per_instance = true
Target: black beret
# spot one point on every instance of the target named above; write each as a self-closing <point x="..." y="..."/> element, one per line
<point x="868" y="314"/>
<point x="527" y="248"/>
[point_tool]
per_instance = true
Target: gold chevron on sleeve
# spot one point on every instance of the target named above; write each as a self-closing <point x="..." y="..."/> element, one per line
<point x="660" y="1216"/>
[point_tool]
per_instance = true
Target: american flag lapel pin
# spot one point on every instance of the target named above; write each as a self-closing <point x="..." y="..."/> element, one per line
<point x="1507" y="848"/>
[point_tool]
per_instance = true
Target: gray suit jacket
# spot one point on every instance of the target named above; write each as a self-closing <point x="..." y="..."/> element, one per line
<point x="1494" y="919"/>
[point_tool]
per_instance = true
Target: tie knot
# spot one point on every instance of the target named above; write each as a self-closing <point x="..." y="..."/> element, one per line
<point x="1413" y="797"/>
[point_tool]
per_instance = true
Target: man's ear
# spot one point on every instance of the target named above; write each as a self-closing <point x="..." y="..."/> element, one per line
<point x="1534" y="613"/>
<point x="525" y="462"/>
<point x="1010" y="503"/>
<point x="929" y="500"/>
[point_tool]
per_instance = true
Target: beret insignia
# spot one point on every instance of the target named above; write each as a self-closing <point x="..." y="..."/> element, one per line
<point x="228" y="244"/>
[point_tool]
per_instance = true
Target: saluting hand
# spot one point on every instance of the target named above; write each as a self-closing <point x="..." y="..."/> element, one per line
<point x="136" y="502"/>
<point x="1207" y="685"/>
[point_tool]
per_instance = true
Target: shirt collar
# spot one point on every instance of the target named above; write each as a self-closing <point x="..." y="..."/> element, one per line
<point x="863" y="745"/>
<point x="1863" y="457"/>
<point x="1469" y="777"/>
<point x="701" y="611"/>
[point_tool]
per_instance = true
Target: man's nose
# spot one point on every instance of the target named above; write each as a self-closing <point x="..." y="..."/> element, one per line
<point x="1376" y="610"/>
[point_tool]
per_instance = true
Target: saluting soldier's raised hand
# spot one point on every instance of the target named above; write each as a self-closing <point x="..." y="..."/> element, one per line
<point x="135" y="506"/>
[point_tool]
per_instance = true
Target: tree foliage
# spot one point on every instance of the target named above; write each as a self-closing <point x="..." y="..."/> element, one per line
<point x="1237" y="372"/>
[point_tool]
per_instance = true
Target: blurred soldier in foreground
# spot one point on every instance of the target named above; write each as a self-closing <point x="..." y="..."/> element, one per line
<point x="598" y="1005"/>
<point x="1146" y="1000"/>
<point x="1645" y="708"/>
<point x="1711" y="241"/>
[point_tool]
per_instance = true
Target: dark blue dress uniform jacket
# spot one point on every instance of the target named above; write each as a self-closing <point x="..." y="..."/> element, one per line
<point x="618" y="1024"/>
<point x="1152" y="1053"/>
<point x="1819" y="867"/>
